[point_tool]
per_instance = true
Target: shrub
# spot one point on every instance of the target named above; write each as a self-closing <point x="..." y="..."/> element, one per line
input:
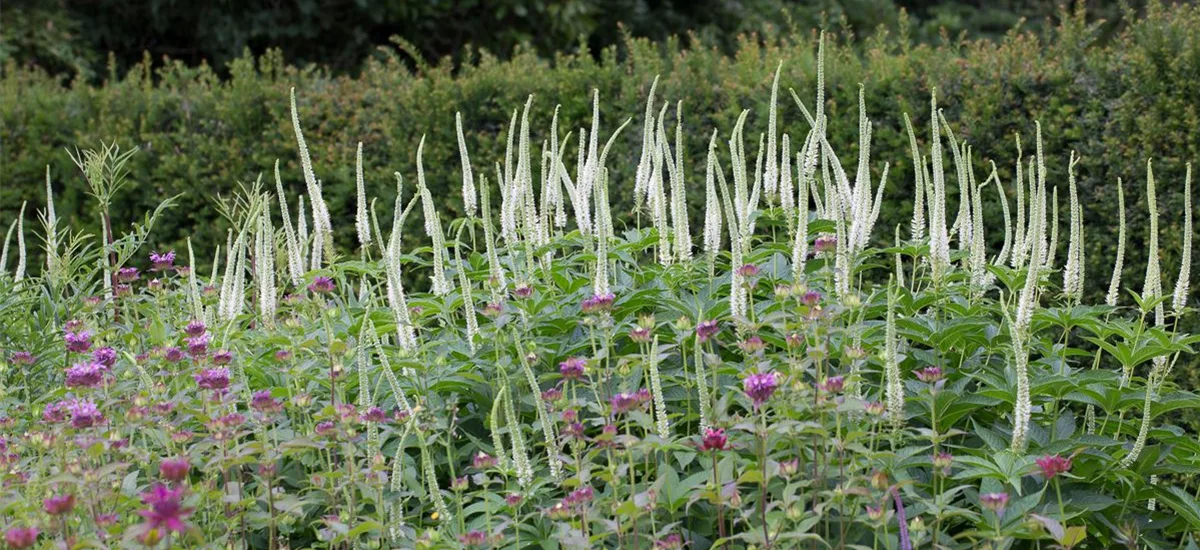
<point x="569" y="379"/>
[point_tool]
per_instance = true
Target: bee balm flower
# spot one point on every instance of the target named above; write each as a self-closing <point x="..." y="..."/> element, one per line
<point x="759" y="387"/>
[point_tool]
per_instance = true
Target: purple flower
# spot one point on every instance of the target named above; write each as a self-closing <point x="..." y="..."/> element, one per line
<point x="160" y="262"/>
<point x="573" y="368"/>
<point x="995" y="502"/>
<point x="640" y="334"/>
<point x="84" y="414"/>
<point x="85" y="375"/>
<point x="164" y="509"/>
<point x="1052" y="465"/>
<point x="493" y="309"/>
<point x="714" y="440"/>
<point x="523" y="291"/>
<point x="624" y="402"/>
<point x="326" y="428"/>
<point x="283" y="355"/>
<point x="174" y="469"/>
<point x="222" y="357"/>
<point x="195" y="328"/>
<point x="671" y="542"/>
<point x="374" y="414"/>
<point x="262" y="402"/>
<point x="78" y="341"/>
<point x="833" y="384"/>
<point x="197" y="346"/>
<point x="321" y="285"/>
<point x="759" y="387"/>
<point x="825" y="243"/>
<point x="752" y="345"/>
<point x="213" y="379"/>
<point x="810" y="298"/>
<point x="59" y="505"/>
<point x="929" y="374"/>
<point x="483" y="461"/>
<point x="173" y="354"/>
<point x="473" y="539"/>
<point x="23" y="358"/>
<point x="127" y="274"/>
<point x="54" y="413"/>
<point x="706" y="330"/>
<point x="598" y="303"/>
<point x="748" y="271"/>
<point x="21" y="537"/>
<point x="105" y="356"/>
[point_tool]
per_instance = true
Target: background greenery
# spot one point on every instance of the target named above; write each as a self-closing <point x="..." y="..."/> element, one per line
<point x="73" y="37"/>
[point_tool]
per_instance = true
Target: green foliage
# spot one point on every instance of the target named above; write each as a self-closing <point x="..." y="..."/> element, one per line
<point x="843" y="411"/>
<point x="73" y="38"/>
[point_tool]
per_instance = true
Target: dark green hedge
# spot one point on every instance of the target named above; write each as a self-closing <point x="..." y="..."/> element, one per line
<point x="1133" y="99"/>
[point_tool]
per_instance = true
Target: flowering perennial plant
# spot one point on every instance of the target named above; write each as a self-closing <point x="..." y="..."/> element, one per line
<point x="816" y="383"/>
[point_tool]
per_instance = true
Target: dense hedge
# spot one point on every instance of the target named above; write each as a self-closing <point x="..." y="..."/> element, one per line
<point x="74" y="37"/>
<point x="1118" y="105"/>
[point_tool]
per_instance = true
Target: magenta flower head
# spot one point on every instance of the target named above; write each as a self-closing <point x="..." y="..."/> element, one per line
<point x="752" y="345"/>
<point x="670" y="542"/>
<point x="707" y="329"/>
<point x="84" y="414"/>
<point x="573" y="368"/>
<point x="21" y="537"/>
<point x="640" y="334"/>
<point x="523" y="291"/>
<point x="483" y="461"/>
<point x="85" y="375"/>
<point x="195" y="328"/>
<point x="810" y="298"/>
<point x="105" y="356"/>
<point x="22" y="358"/>
<point x="833" y="384"/>
<point x="321" y="285"/>
<point x="222" y="357"/>
<point x="1052" y="465"/>
<point x="54" y="413"/>
<point x="174" y="469"/>
<point x="825" y="243"/>
<point x="261" y="401"/>
<point x="748" y="271"/>
<point x="624" y="402"/>
<point x="714" y="440"/>
<point x="197" y="346"/>
<point x="930" y="374"/>
<point x="995" y="502"/>
<point x="59" y="505"/>
<point x="473" y="539"/>
<point x="760" y="386"/>
<point x="375" y="415"/>
<point x="161" y="262"/>
<point x="78" y="341"/>
<point x="164" y="509"/>
<point x="599" y="303"/>
<point x="326" y="428"/>
<point x="213" y="379"/>
<point x="127" y="274"/>
<point x="173" y="354"/>
<point x="493" y="309"/>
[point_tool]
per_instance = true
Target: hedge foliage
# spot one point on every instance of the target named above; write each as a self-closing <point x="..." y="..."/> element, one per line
<point x="1118" y="105"/>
